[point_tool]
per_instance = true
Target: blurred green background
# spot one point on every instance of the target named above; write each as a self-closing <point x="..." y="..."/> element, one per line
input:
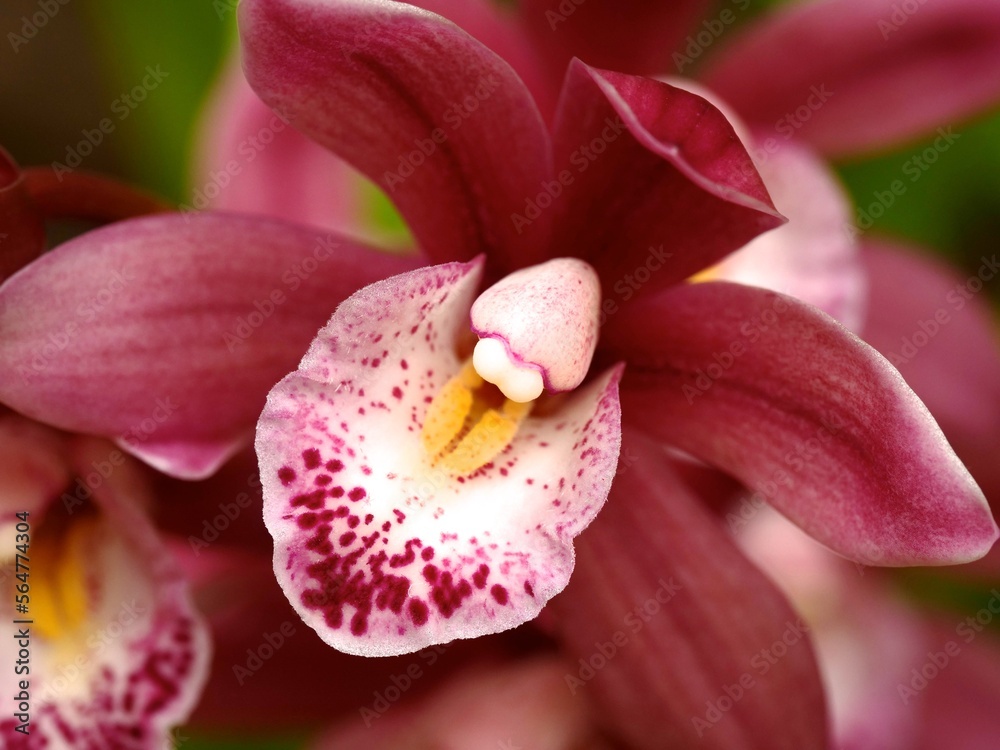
<point x="67" y="75"/>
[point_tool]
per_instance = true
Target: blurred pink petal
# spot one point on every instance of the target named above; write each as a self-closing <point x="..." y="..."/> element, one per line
<point x="814" y="257"/>
<point x="936" y="329"/>
<point x="118" y="654"/>
<point x="795" y="406"/>
<point x="655" y="185"/>
<point x="251" y="160"/>
<point x="849" y="76"/>
<point x="676" y="638"/>
<point x="435" y="130"/>
<point x="165" y="333"/>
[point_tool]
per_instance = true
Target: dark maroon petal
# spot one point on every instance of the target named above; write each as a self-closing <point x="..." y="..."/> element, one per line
<point x="22" y="233"/>
<point x="630" y="36"/>
<point x="857" y="75"/>
<point x="71" y="194"/>
<point x="939" y="332"/>
<point x="787" y="400"/>
<point x="676" y="636"/>
<point x="411" y="100"/>
<point x="165" y="333"/>
<point x="652" y="183"/>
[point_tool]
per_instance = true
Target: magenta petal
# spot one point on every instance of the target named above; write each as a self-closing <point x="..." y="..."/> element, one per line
<point x="857" y="75"/>
<point x="166" y="332"/>
<point x="669" y="623"/>
<point x="415" y="103"/>
<point x="384" y="551"/>
<point x="655" y="183"/>
<point x="630" y="36"/>
<point x="939" y="333"/>
<point x="795" y="406"/>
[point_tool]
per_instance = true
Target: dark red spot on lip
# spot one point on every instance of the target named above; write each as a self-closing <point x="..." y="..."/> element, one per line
<point x="311" y="458"/>
<point x="418" y="611"/>
<point x="499" y="593"/>
<point x="528" y="589"/>
<point x="397" y="392"/>
<point x="337" y="492"/>
<point x="430" y="573"/>
<point x="323" y="480"/>
<point x="334" y="465"/>
<point x="403" y="364"/>
<point x="307" y="520"/>
<point x="347" y="538"/>
<point x="480" y="576"/>
<point x="358" y="493"/>
<point x="427" y="554"/>
<point x="312" y="500"/>
<point x="353" y="521"/>
<point x="286" y="474"/>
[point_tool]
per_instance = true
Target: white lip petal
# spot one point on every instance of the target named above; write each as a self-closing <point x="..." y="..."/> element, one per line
<point x="379" y="550"/>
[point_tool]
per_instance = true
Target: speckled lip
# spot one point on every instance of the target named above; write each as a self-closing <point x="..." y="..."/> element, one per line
<point x="377" y="549"/>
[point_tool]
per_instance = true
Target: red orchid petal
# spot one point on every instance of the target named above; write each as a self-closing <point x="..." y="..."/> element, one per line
<point x="939" y="333"/>
<point x="788" y="401"/>
<point x="500" y="30"/>
<point x="383" y="552"/>
<point x="680" y="640"/>
<point x="655" y="184"/>
<point x="22" y="233"/>
<point x="166" y="332"/>
<point x="814" y="257"/>
<point x="511" y="705"/>
<point x="415" y="103"/>
<point x="855" y="75"/>
<point x="134" y="666"/>
<point x="630" y="36"/>
<point x="251" y="160"/>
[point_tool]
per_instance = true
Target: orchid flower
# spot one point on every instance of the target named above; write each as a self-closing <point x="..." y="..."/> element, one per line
<point x="111" y="650"/>
<point x="381" y="419"/>
<point x="385" y="543"/>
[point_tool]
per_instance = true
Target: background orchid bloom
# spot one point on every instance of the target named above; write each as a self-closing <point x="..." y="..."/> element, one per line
<point x="113" y="653"/>
<point x="900" y="674"/>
